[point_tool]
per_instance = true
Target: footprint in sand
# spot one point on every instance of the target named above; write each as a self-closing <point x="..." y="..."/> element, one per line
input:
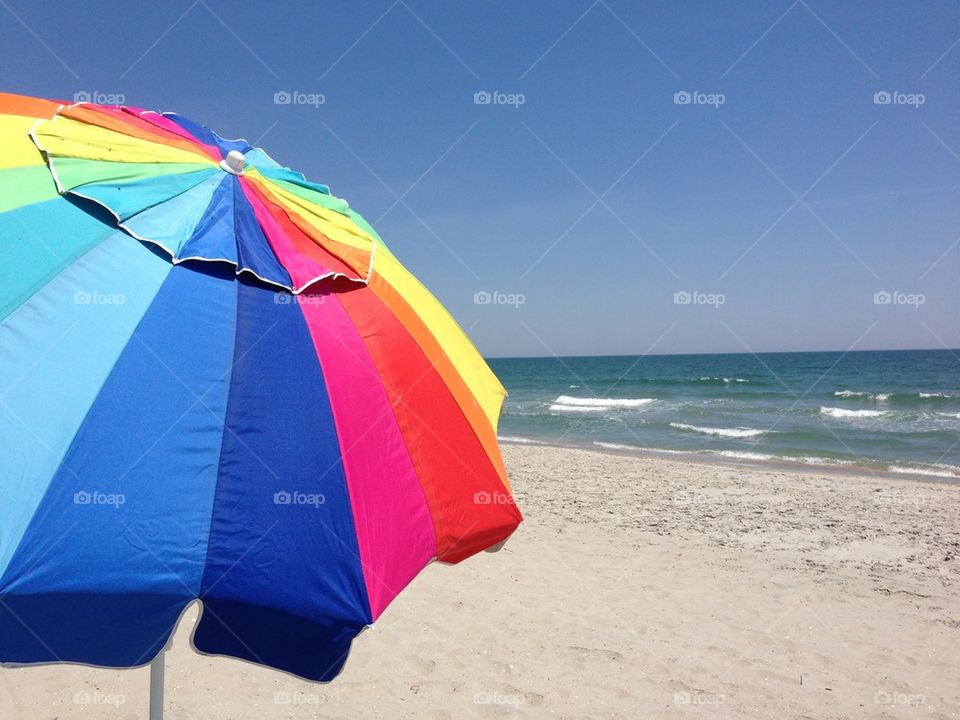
<point x="424" y="666"/>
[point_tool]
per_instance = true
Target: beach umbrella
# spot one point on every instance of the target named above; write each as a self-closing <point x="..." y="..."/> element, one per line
<point x="217" y="383"/>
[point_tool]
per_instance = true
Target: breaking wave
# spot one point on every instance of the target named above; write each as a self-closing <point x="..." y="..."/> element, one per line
<point x="841" y="413"/>
<point x="738" y="432"/>
<point x="565" y="403"/>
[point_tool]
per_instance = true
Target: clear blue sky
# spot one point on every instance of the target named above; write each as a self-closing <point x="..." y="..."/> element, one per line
<point x="797" y="199"/>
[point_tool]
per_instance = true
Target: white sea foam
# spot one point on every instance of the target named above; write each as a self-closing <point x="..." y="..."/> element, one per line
<point x="615" y="446"/>
<point x="933" y="470"/>
<point x="726" y="380"/>
<point x="935" y="395"/>
<point x="653" y="451"/>
<point x="519" y="440"/>
<point x="804" y="460"/>
<point x="845" y="413"/>
<point x="602" y="402"/>
<point x="813" y="460"/>
<point x="879" y="397"/>
<point x="745" y="455"/>
<point x="739" y="432"/>
<point x="950" y="415"/>
<point x="852" y="393"/>
<point x="938" y="470"/>
<point x="578" y="408"/>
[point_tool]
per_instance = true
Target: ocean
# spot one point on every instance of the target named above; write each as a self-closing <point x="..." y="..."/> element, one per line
<point x="887" y="411"/>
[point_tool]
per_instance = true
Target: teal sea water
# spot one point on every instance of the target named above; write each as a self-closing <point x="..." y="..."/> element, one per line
<point x="890" y="411"/>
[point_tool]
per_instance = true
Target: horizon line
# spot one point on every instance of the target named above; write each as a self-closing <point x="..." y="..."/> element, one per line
<point x="689" y="354"/>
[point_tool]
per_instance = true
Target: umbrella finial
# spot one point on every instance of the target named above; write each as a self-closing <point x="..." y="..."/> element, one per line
<point x="233" y="163"/>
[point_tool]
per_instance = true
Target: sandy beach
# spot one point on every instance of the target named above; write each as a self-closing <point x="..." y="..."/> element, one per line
<point x="637" y="587"/>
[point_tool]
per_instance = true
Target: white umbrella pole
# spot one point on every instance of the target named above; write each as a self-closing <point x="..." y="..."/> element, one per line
<point x="156" y="686"/>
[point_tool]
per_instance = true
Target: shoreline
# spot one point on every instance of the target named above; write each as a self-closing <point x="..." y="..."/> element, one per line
<point x="717" y="459"/>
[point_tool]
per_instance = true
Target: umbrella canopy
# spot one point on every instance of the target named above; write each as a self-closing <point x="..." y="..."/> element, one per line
<point x="217" y="382"/>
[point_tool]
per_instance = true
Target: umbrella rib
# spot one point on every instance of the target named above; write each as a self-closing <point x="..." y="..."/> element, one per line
<point x="238" y="560"/>
<point x="190" y="590"/>
<point x="36" y="561"/>
<point x="43" y="553"/>
<point x="450" y="408"/>
<point x="60" y="457"/>
<point x="399" y="398"/>
<point x="199" y="400"/>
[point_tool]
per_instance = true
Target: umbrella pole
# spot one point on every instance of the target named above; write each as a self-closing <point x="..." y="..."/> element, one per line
<point x="156" y="686"/>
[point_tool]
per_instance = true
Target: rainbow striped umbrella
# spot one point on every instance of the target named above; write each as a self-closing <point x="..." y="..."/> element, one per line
<point x="217" y="383"/>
